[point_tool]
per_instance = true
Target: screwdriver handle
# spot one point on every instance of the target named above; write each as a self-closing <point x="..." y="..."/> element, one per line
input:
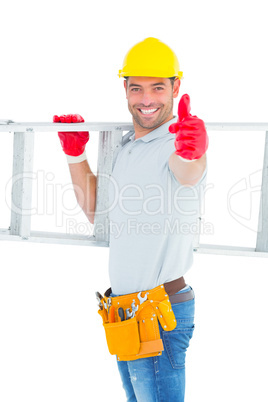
<point x="121" y="313"/>
<point x="111" y="314"/>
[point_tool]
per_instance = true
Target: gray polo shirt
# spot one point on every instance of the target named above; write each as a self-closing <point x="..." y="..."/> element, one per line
<point x="153" y="218"/>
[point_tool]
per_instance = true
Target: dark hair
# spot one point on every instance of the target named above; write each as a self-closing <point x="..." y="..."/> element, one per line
<point x="172" y="80"/>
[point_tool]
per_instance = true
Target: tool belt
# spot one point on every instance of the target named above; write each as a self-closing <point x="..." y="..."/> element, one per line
<point x="131" y="322"/>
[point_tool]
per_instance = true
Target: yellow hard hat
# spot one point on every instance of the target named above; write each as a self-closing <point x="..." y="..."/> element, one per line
<point x="151" y="58"/>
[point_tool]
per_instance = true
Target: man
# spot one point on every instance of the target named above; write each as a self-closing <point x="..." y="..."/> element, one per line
<point x="159" y="177"/>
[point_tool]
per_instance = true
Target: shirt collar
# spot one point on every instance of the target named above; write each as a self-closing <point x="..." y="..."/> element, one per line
<point x="158" y="132"/>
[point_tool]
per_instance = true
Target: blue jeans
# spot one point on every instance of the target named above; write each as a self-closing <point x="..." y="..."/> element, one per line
<point x="162" y="378"/>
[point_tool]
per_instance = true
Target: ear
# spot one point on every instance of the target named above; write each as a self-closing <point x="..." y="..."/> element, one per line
<point x="125" y="86"/>
<point x="176" y="87"/>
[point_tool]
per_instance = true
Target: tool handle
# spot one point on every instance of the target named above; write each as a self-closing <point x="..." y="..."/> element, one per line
<point x="121" y="313"/>
<point x="112" y="314"/>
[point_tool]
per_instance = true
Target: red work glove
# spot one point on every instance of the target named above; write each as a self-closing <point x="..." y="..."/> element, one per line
<point x="191" y="137"/>
<point x="73" y="142"/>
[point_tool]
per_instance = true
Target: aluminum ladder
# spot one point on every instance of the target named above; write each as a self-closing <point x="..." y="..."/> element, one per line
<point x="111" y="138"/>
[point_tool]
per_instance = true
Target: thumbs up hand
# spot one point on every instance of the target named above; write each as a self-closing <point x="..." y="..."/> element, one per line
<point x="191" y="137"/>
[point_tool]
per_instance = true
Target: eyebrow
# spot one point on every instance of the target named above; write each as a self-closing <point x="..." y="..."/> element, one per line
<point x="153" y="85"/>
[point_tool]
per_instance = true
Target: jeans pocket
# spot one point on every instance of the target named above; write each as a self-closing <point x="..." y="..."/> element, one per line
<point x="176" y="343"/>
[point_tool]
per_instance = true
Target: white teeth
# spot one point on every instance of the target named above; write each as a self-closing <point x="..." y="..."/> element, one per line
<point x="147" y="111"/>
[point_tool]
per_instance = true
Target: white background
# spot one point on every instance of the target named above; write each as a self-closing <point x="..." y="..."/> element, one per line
<point x="62" y="57"/>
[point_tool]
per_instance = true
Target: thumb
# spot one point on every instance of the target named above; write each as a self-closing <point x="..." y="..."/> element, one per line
<point x="174" y="128"/>
<point x="184" y="107"/>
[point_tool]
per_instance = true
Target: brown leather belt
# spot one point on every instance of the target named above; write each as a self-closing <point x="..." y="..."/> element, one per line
<point x="175" y="286"/>
<point x="182" y="297"/>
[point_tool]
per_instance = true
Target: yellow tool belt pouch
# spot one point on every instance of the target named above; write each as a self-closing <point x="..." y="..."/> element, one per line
<point x="131" y="323"/>
<point x="123" y="337"/>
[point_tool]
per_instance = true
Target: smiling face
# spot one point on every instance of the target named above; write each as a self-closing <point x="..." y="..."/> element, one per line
<point x="150" y="101"/>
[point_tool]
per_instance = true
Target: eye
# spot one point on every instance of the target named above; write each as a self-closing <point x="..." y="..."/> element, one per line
<point x="159" y="88"/>
<point x="135" y="89"/>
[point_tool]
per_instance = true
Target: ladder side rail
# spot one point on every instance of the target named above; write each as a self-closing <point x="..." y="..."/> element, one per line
<point x="77" y="240"/>
<point x="124" y="126"/>
<point x="54" y="127"/>
<point x="22" y="177"/>
<point x="53" y="238"/>
<point x="219" y="249"/>
<point x="110" y="143"/>
<point x="262" y="234"/>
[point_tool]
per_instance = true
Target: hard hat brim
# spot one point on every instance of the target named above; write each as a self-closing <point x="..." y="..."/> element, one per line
<point x="161" y="74"/>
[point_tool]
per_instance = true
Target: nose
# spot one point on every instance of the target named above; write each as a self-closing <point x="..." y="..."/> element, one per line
<point x="146" y="98"/>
